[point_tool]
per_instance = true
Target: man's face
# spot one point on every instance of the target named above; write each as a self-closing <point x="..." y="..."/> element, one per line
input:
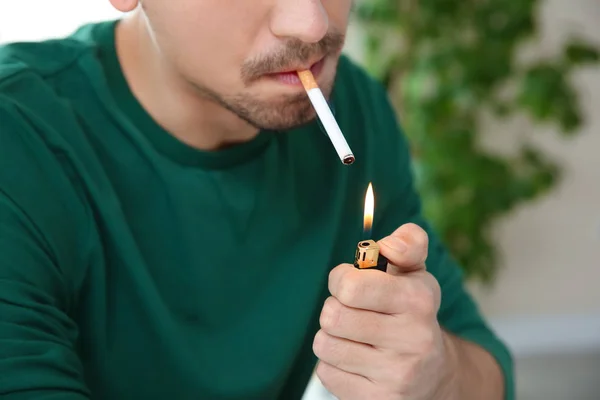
<point x="236" y="53"/>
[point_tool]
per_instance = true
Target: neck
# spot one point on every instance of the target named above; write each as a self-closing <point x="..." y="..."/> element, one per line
<point x="171" y="101"/>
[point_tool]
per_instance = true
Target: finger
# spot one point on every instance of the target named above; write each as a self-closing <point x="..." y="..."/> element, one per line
<point x="417" y="292"/>
<point x="361" y="326"/>
<point x="355" y="358"/>
<point x="344" y="385"/>
<point x="365" y="289"/>
<point x="406" y="249"/>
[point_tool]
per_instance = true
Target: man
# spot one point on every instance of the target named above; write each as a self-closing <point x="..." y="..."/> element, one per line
<point x="175" y="224"/>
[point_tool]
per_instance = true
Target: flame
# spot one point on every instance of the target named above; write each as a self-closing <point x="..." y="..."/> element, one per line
<point x="369" y="210"/>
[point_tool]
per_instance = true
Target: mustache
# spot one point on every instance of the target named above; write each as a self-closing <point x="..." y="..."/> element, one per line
<point x="295" y="52"/>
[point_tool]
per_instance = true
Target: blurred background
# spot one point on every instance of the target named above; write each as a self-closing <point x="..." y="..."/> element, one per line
<point x="500" y="101"/>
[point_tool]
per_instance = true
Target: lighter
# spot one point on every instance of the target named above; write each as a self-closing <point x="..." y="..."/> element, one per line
<point x="367" y="251"/>
<point x="368" y="257"/>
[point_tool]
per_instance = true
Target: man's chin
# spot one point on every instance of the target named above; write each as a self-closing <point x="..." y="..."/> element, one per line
<point x="284" y="122"/>
<point x="281" y="115"/>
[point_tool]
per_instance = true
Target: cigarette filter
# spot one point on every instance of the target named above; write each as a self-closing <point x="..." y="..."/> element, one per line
<point x="368" y="257"/>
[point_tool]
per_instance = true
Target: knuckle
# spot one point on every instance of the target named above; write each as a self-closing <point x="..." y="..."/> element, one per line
<point x="332" y="278"/>
<point x="423" y="300"/>
<point x="391" y="372"/>
<point x="401" y="376"/>
<point x="321" y="372"/>
<point x="326" y="376"/>
<point x="402" y="387"/>
<point x="427" y="341"/>
<point x="330" y="314"/>
<point x="336" y="275"/>
<point x="350" y="289"/>
<point x="410" y="373"/>
<point x="319" y="344"/>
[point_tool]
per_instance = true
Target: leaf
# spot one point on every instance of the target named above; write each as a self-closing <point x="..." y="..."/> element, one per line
<point x="456" y="58"/>
<point x="579" y="53"/>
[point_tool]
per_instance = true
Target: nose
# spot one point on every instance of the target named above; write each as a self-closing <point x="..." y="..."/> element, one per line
<point x="306" y="20"/>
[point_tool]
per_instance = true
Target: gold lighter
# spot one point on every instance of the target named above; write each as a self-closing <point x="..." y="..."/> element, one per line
<point x="368" y="257"/>
<point x="367" y="251"/>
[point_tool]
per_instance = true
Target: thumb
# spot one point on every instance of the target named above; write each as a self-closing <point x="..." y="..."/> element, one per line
<point x="406" y="249"/>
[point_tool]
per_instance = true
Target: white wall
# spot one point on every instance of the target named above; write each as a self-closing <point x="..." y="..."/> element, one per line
<point x="24" y="20"/>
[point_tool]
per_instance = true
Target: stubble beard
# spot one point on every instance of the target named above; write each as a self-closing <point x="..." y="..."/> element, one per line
<point x="284" y="114"/>
<point x="290" y="111"/>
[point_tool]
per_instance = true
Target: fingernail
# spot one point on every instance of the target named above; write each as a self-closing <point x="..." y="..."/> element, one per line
<point x="396" y="244"/>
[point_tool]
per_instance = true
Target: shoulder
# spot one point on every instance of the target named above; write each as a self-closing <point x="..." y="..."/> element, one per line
<point x="37" y="180"/>
<point x="37" y="82"/>
<point x="41" y="61"/>
<point x="26" y="94"/>
<point x="43" y="58"/>
<point x="35" y="71"/>
<point x="34" y="174"/>
<point x="34" y="111"/>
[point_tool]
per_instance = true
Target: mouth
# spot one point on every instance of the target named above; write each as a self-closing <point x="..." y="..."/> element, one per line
<point x="290" y="76"/>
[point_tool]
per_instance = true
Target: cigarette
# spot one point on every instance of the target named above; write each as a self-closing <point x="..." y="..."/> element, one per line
<point x="325" y="115"/>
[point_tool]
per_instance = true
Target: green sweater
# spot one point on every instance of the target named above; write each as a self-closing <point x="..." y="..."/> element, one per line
<point x="133" y="266"/>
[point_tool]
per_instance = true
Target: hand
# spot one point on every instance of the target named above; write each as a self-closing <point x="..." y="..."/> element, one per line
<point x="379" y="336"/>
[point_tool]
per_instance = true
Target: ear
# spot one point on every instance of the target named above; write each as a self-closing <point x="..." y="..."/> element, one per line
<point x="124" y="5"/>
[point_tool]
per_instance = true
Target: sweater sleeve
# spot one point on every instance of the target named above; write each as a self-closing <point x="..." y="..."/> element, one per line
<point x="39" y="249"/>
<point x="399" y="204"/>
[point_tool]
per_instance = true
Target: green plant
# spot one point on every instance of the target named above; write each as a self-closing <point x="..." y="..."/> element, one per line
<point x="445" y="62"/>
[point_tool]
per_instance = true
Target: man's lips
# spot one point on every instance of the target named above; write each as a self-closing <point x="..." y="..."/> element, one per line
<point x="290" y="77"/>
